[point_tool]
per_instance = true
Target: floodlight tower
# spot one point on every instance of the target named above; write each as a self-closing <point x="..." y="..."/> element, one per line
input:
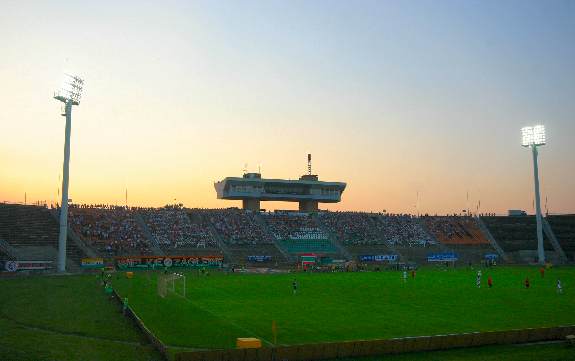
<point x="70" y="94"/>
<point x="534" y="137"/>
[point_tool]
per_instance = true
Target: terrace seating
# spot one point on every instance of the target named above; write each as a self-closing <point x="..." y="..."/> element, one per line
<point x="174" y="231"/>
<point x="456" y="230"/>
<point x="33" y="231"/>
<point x="111" y="230"/>
<point x="237" y="227"/>
<point x="27" y="225"/>
<point x="515" y="233"/>
<point x="243" y="234"/>
<point x="462" y="235"/>
<point x="564" y="229"/>
<point x="354" y="228"/>
<point x="358" y="228"/>
<point x="298" y="233"/>
<point x="404" y="231"/>
<point x="6" y="251"/>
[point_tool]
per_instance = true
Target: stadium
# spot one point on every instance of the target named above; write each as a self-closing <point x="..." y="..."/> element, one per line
<point x="144" y="241"/>
<point x="295" y="285"/>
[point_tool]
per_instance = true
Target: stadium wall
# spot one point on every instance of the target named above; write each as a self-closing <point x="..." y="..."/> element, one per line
<point x="324" y="351"/>
<point x="159" y="345"/>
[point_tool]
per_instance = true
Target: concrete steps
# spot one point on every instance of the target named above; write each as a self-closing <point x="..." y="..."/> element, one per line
<point x="332" y="237"/>
<point x="152" y="241"/>
<point x="560" y="255"/>
<point x="492" y="240"/>
<point x="287" y="256"/>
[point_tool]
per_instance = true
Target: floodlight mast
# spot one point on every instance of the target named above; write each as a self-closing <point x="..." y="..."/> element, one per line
<point x="532" y="138"/>
<point x="70" y="95"/>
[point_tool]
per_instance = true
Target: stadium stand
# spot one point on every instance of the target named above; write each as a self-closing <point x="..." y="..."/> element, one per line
<point x="6" y="251"/>
<point x="564" y="229"/>
<point x="404" y="231"/>
<point x="357" y="232"/>
<point x="375" y="233"/>
<point x="175" y="232"/>
<point x="238" y="227"/>
<point x="31" y="233"/>
<point x="517" y="235"/>
<point x="272" y="238"/>
<point x="353" y="228"/>
<point x="242" y="234"/>
<point x="455" y="230"/>
<point x="407" y="235"/>
<point x="358" y="228"/>
<point x="462" y="235"/>
<point x="110" y="230"/>
<point x="299" y="233"/>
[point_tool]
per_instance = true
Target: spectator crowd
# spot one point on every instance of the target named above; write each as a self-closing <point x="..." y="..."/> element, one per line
<point x="172" y="228"/>
<point x="237" y="227"/>
<point x="361" y="228"/>
<point x="455" y="230"/>
<point x="294" y="226"/>
<point x="112" y="230"/>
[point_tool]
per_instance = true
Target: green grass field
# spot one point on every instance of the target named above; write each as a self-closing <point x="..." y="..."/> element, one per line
<point x="348" y="306"/>
<point x="70" y="317"/>
<point x="65" y="318"/>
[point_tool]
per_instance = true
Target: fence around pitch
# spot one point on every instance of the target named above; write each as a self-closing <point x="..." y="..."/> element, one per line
<point x="159" y="345"/>
<point x="334" y="350"/>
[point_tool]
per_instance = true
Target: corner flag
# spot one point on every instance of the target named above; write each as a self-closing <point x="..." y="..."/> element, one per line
<point x="275" y="332"/>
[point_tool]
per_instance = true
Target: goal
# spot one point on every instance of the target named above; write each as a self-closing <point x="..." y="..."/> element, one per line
<point x="175" y="283"/>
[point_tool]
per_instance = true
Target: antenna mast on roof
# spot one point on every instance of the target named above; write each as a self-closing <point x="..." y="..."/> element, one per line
<point x="309" y="163"/>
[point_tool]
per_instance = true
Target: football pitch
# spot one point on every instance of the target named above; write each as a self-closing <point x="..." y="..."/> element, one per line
<point x="347" y="306"/>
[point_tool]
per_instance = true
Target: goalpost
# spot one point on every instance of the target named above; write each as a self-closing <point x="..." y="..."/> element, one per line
<point x="175" y="282"/>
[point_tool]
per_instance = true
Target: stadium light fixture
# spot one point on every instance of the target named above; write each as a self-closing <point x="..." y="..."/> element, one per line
<point x="71" y="90"/>
<point x="533" y="137"/>
<point x="70" y="94"/>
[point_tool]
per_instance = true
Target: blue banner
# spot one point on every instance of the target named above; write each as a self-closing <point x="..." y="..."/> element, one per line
<point x="378" y="258"/>
<point x="259" y="258"/>
<point x="442" y="257"/>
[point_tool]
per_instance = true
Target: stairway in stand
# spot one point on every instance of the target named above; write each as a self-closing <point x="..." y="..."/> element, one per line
<point x="287" y="257"/>
<point x="332" y="237"/>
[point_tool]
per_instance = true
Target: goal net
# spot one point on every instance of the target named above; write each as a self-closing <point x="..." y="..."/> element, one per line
<point x="175" y="283"/>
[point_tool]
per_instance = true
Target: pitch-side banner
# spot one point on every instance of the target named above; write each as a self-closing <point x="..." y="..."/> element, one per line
<point x="259" y="258"/>
<point x="153" y="262"/>
<point x="442" y="257"/>
<point x="378" y="258"/>
<point x="92" y="262"/>
<point x="13" y="266"/>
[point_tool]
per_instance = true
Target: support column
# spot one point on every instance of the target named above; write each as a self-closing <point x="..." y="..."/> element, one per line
<point x="64" y="206"/>
<point x="308" y="206"/>
<point x="251" y="204"/>
<point x="540" y="249"/>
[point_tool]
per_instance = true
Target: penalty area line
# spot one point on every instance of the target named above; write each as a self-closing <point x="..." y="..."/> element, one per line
<point x="227" y="320"/>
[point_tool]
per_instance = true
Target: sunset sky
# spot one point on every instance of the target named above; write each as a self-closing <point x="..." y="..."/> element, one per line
<point x="394" y="98"/>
